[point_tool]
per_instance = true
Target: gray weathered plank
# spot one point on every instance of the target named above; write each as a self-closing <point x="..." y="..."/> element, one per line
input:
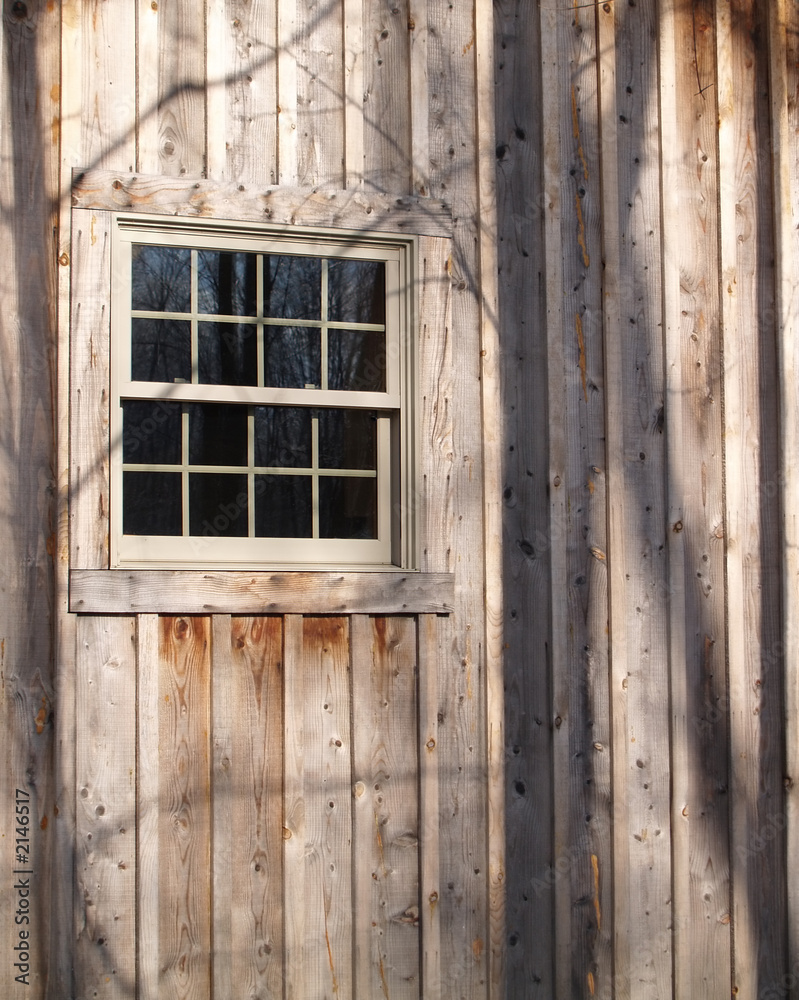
<point x="247" y="806"/>
<point x="89" y="388"/>
<point x="184" y="820"/>
<point x="106" y="807"/>
<point x="385" y="834"/>
<point x="387" y="125"/>
<point x="148" y="855"/>
<point x="317" y="810"/>
<point x="752" y="516"/>
<point x="526" y="537"/>
<point x="282" y="206"/>
<point x="198" y="592"/>
<point x="318" y="45"/>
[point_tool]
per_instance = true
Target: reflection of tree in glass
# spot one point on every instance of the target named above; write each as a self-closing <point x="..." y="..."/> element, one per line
<point x="161" y="282"/>
<point x="356" y="294"/>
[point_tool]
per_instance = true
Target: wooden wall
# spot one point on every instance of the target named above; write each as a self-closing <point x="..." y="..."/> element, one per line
<point x="646" y="164"/>
<point x="622" y="180"/>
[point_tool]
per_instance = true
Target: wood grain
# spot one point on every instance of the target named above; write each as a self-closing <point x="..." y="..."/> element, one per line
<point x="89" y="389"/>
<point x="248" y="843"/>
<point x="285" y="205"/>
<point x="525" y="537"/>
<point x="758" y="916"/>
<point x="320" y="94"/>
<point x="184" y="831"/>
<point x="387" y="121"/>
<point x="250" y="88"/>
<point x="182" y="141"/>
<point x="198" y="592"/>
<point x="106" y="807"/>
<point x="385" y="773"/>
<point x="148" y="855"/>
<point x="317" y="810"/>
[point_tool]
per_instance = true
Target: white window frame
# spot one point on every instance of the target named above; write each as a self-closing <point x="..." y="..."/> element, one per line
<point x="395" y="546"/>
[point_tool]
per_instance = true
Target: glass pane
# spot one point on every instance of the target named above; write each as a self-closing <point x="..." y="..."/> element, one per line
<point x="282" y="437"/>
<point x="228" y="354"/>
<point x="356" y="291"/>
<point x="218" y="505"/>
<point x="292" y="287"/>
<point x="226" y="283"/>
<point x="160" y="350"/>
<point x="356" y="360"/>
<point x="293" y="357"/>
<point x="283" y="507"/>
<point x="347" y="507"/>
<point x="151" y="503"/>
<point x="161" y="278"/>
<point x="217" y="434"/>
<point x="347" y="439"/>
<point x="151" y="432"/>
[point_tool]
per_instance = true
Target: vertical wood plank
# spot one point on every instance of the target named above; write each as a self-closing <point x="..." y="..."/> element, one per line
<point x="462" y="733"/>
<point x="526" y="535"/>
<point x="181" y="89"/>
<point x="108" y="108"/>
<point x="89" y="387"/>
<point x="387" y="124"/>
<point x="320" y="94"/>
<point x="148" y="20"/>
<point x="783" y="26"/>
<point x="696" y="504"/>
<point x="218" y="59"/>
<point x="287" y="134"/>
<point x="555" y="971"/>
<point x="492" y="426"/>
<point x="61" y="980"/>
<point x="432" y="656"/>
<point x="184" y="808"/>
<point x="29" y="147"/>
<point x="106" y="807"/>
<point x="419" y="98"/>
<point x="148" y="862"/>
<point x="318" y="816"/>
<point x="248" y="806"/>
<point x="752" y="505"/>
<point x="385" y="832"/>
<point x="636" y="491"/>
<point x="294" y="810"/>
<point x="250" y="92"/>
<point x="354" y="55"/>
<point x="579" y="398"/>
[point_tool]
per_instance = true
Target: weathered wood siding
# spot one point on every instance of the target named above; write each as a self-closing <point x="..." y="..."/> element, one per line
<point x="289" y="790"/>
<point x="647" y="178"/>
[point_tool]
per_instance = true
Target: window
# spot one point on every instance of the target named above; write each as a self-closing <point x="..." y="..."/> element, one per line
<point x="261" y="397"/>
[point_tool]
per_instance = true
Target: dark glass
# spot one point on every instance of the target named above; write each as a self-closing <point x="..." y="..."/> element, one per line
<point x="283" y="507"/>
<point x="293" y="357"/>
<point x="356" y="291"/>
<point x="282" y="437"/>
<point x="218" y="505"/>
<point x="228" y="354"/>
<point x="161" y="278"/>
<point x="356" y="360"/>
<point x="226" y="283"/>
<point x="347" y="439"/>
<point x="151" y="503"/>
<point x="160" y="350"/>
<point x="151" y="432"/>
<point x="292" y="287"/>
<point x="347" y="507"/>
<point x="217" y="434"/>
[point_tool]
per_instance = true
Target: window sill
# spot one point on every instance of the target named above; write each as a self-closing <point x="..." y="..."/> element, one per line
<point x="115" y="592"/>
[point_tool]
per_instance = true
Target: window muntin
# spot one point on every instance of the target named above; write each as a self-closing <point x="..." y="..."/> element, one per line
<point x="262" y="391"/>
